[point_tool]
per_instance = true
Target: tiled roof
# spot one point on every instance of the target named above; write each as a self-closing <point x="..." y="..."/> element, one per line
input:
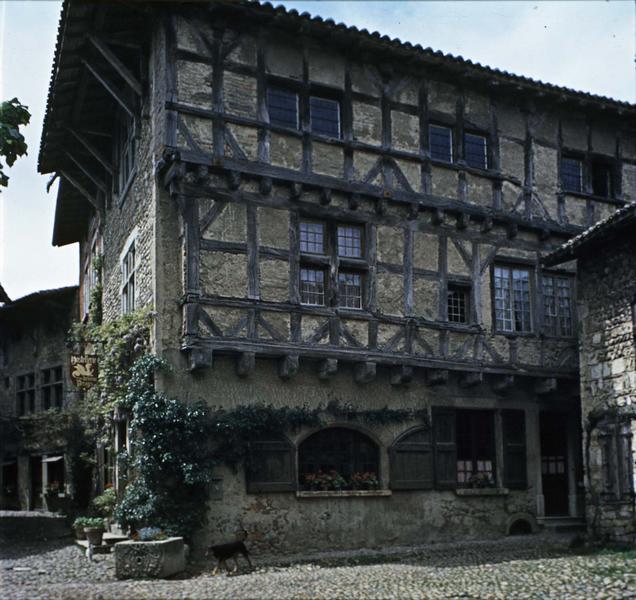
<point x="573" y="247"/>
<point x="3" y="295"/>
<point x="41" y="295"/>
<point x="319" y="25"/>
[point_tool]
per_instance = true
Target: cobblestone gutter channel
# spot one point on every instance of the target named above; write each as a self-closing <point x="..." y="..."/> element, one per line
<point x="537" y="567"/>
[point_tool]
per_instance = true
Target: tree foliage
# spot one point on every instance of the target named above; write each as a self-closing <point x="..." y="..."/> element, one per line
<point x="13" y="115"/>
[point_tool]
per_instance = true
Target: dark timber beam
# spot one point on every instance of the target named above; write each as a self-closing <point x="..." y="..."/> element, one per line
<point x="471" y="379"/>
<point x="109" y="87"/>
<point x="325" y="197"/>
<point x="327" y="368"/>
<point x="99" y="157"/>
<point x="365" y="372"/>
<point x="288" y="366"/>
<point x="81" y="189"/>
<point x="437" y="218"/>
<point x="97" y="181"/>
<point x="114" y="62"/>
<point x="245" y="364"/>
<point x="437" y="376"/>
<point x="401" y="375"/>
<point x="545" y="386"/>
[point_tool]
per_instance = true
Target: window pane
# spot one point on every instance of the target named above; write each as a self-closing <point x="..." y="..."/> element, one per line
<point x="601" y="179"/>
<point x="312" y="287"/>
<point x="557" y="305"/>
<point x="521" y="289"/>
<point x="457" y="304"/>
<point x="512" y="299"/>
<point x="325" y="116"/>
<point x="440" y="140"/>
<point x="475" y="151"/>
<point x="503" y="304"/>
<point x="350" y="290"/>
<point x="571" y="174"/>
<point x="350" y="241"/>
<point x="282" y="107"/>
<point x="312" y="237"/>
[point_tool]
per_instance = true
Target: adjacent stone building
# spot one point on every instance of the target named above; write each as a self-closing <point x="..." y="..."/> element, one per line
<point x="34" y="383"/>
<point x="606" y="289"/>
<point x="320" y="216"/>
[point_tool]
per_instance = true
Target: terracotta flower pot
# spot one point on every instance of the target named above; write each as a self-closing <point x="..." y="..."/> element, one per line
<point x="94" y="535"/>
<point x="79" y="533"/>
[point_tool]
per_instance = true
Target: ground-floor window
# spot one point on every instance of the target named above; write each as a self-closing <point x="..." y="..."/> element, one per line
<point x="475" y="448"/>
<point x="338" y="458"/>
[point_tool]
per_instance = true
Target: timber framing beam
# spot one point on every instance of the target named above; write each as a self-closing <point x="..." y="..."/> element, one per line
<point x="95" y="203"/>
<point x="109" y="87"/>
<point x="109" y="55"/>
<point x="87" y="171"/>
<point x="92" y="149"/>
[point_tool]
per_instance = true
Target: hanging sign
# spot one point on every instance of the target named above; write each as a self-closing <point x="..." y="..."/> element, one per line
<point x="84" y="370"/>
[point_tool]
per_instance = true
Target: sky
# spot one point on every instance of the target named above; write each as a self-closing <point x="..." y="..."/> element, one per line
<point x="587" y="45"/>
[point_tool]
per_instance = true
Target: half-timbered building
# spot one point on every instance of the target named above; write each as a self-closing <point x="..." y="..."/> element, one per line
<point x="319" y="215"/>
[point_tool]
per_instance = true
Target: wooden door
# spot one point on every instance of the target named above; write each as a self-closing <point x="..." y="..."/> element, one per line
<point x="554" y="464"/>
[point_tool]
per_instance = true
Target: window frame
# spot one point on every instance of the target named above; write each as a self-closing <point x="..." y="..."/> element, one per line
<point x="324" y="98"/>
<point x="49" y="388"/>
<point x="596" y="161"/>
<point x="129" y="276"/>
<point x="557" y="331"/>
<point x="125" y="151"/>
<point x="572" y="156"/>
<point x="273" y="86"/>
<point x="486" y="138"/>
<point x="451" y="149"/>
<point x="466" y="290"/>
<point x="512" y="266"/>
<point x="476" y="438"/>
<point x="332" y="263"/>
<point x="25" y="390"/>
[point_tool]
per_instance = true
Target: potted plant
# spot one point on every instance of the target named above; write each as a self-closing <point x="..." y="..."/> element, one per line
<point x="105" y="503"/>
<point x="481" y="480"/>
<point x="78" y="527"/>
<point x="94" y="530"/>
<point x="322" y="481"/>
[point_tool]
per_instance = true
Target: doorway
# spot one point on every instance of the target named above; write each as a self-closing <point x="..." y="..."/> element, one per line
<point x="554" y="464"/>
<point x="36" y="483"/>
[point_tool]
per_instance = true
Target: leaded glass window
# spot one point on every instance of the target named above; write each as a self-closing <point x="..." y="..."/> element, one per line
<point x="557" y="305"/>
<point x="126" y="151"/>
<point x="128" y="281"/>
<point x="350" y="241"/>
<point x="571" y="174"/>
<point x="312" y="237"/>
<point x="282" y="106"/>
<point x="25" y="386"/>
<point x="512" y="299"/>
<point x="458" y="303"/>
<point x="312" y="287"/>
<point x="350" y="289"/>
<point x="476" y="151"/>
<point x="440" y="141"/>
<point x="325" y="116"/>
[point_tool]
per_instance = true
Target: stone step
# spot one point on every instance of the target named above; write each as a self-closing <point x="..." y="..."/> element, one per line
<point x="108" y="541"/>
<point x="563" y="524"/>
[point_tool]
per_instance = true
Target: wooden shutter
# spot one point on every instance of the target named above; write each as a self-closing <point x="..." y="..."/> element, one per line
<point x="445" y="448"/>
<point x="270" y="467"/>
<point x="412" y="462"/>
<point x="514" y="449"/>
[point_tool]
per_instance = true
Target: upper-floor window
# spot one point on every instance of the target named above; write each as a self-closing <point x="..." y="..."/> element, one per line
<point x="335" y="247"/>
<point x="25" y="392"/>
<point x="440" y="140"/>
<point x="128" y="268"/>
<point x="458" y="303"/>
<point x="512" y="299"/>
<point x="125" y="151"/>
<point x="282" y="107"/>
<point x="557" y="305"/>
<point x="602" y="178"/>
<point x="324" y="115"/>
<point x="571" y="174"/>
<point x="476" y="150"/>
<point x="52" y="388"/>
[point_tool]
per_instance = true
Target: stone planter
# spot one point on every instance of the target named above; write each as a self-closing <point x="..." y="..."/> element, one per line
<point x="94" y="535"/>
<point x="155" y="560"/>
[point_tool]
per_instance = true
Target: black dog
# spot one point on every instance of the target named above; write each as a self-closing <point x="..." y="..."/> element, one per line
<point x="223" y="552"/>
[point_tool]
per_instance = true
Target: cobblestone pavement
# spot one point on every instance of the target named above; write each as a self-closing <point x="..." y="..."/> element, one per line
<point x="537" y="567"/>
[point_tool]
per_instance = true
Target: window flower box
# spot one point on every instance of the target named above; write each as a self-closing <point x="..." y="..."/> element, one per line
<point x="343" y="493"/>
<point x="483" y="491"/>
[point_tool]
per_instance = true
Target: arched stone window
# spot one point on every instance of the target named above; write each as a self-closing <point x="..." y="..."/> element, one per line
<point x="338" y="451"/>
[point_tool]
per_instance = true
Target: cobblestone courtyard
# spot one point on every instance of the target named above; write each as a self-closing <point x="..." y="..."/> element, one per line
<point x="538" y="567"/>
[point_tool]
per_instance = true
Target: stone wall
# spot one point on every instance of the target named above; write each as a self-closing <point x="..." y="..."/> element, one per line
<point x="607" y="291"/>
